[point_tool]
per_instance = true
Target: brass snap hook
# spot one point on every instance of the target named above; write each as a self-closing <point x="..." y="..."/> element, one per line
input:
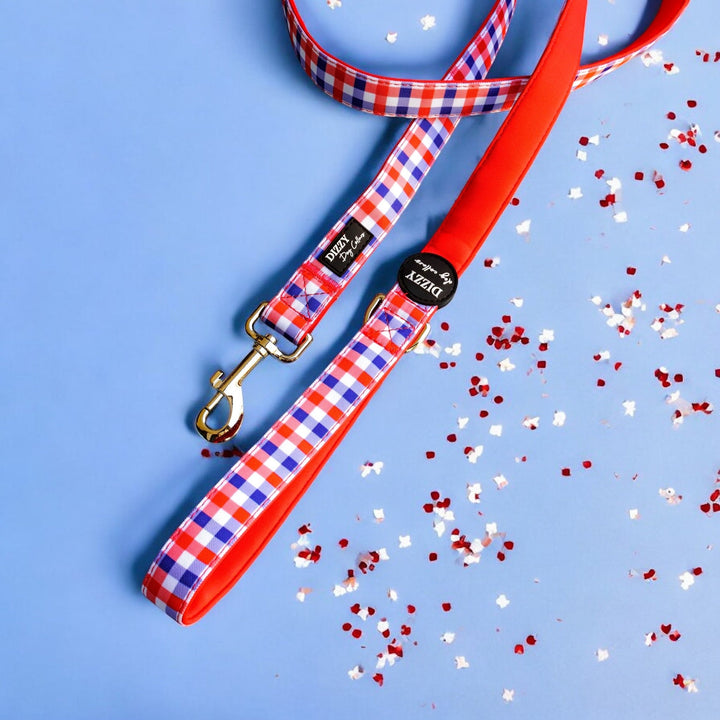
<point x="230" y="387"/>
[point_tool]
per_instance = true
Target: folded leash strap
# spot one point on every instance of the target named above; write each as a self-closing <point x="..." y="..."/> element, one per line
<point x="226" y="531"/>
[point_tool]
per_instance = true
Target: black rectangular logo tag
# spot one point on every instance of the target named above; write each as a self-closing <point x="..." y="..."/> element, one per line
<point x="346" y="247"/>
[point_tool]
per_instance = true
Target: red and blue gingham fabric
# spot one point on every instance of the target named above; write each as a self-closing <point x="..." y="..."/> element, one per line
<point x="277" y="459"/>
<point x="302" y="301"/>
<point x="437" y="106"/>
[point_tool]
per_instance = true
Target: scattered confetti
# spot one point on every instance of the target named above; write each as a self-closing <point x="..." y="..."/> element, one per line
<point x="333" y="4"/>
<point x="602" y="655"/>
<point x="391" y="37"/>
<point x="508" y="695"/>
<point x="461" y="663"/>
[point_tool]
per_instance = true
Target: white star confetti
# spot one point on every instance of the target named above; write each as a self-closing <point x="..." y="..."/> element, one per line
<point x="602" y="655"/>
<point x="474" y="490"/>
<point x="371" y="467"/>
<point x="391" y="37"/>
<point x="508" y="695"/>
<point x="404" y="541"/>
<point x="575" y="193"/>
<point x="357" y="672"/>
<point x="523" y="228"/>
<point x="448" y="638"/>
<point x="603" y="40"/>
<point x="427" y="22"/>
<point x="687" y="580"/>
<point x="501" y="481"/>
<point x="502" y="602"/>
<point x="506" y="365"/>
<point x="454" y="350"/>
<point x="621" y="216"/>
<point x="461" y="663"/>
<point x="629" y="406"/>
<point x="462" y="422"/>
<point x="475" y="453"/>
<point x="546" y="336"/>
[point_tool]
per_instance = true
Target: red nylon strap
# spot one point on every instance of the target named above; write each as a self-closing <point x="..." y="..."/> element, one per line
<point x="517" y="143"/>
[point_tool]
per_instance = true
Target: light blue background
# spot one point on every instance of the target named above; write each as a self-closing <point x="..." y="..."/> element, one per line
<point x="164" y="167"/>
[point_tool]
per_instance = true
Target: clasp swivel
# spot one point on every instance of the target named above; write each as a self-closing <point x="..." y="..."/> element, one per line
<point x="230" y="387"/>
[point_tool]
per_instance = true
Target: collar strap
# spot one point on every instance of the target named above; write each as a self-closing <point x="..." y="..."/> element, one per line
<point x="219" y="540"/>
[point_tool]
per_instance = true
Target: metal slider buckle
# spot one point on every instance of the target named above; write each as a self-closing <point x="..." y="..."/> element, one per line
<point x="373" y="308"/>
<point x="230" y="387"/>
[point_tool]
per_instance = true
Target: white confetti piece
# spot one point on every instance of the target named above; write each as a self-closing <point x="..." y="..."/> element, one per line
<point x="546" y="336"/>
<point x="439" y="527"/>
<point x="404" y="541"/>
<point x="379" y="515"/>
<point x="517" y="302"/>
<point x="474" y="490"/>
<point x="687" y="580"/>
<point x="665" y="260"/>
<point x="629" y="407"/>
<point x="603" y="40"/>
<point x="332" y="4"/>
<point x="508" y="695"/>
<point x="634" y="514"/>
<point x="391" y="37"/>
<point x="506" y="365"/>
<point x="454" y="350"/>
<point x="501" y="481"/>
<point x="427" y="22"/>
<point x="496" y="430"/>
<point x="448" y="638"/>
<point x="475" y="453"/>
<point x="575" y="193"/>
<point x="615" y="185"/>
<point x="620" y="216"/>
<point x="302" y="593"/>
<point x="371" y="467"/>
<point x="392" y="595"/>
<point x="581" y="155"/>
<point x="502" y="602"/>
<point x="596" y="300"/>
<point x="491" y="528"/>
<point x="461" y="663"/>
<point x="531" y="423"/>
<point x="652" y="57"/>
<point x="462" y="422"/>
<point x="523" y="228"/>
<point x="559" y="418"/>
<point x="602" y="655"/>
<point x="383" y="626"/>
<point x="357" y="672"/>
<point x="684" y="227"/>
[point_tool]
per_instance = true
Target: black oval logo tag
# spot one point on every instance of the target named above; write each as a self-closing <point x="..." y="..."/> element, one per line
<point x="428" y="279"/>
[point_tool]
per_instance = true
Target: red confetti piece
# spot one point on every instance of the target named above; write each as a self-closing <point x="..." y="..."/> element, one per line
<point x="584" y="140"/>
<point x="432" y="557"/>
<point x="379" y="679"/>
<point x="631" y="270"/>
<point x="447" y="607"/>
<point x="357" y="633"/>
<point x="519" y="649"/>
<point x="430" y="454"/>
<point x="600" y="382"/>
<point x="411" y="609"/>
<point x="639" y="175"/>
<point x="515" y="201"/>
<point x="685" y="165"/>
<point x="565" y="472"/>
<point x="205" y="452"/>
<point x="664" y="146"/>
<point x="599" y="173"/>
<point x="649" y="574"/>
<point x="692" y="103"/>
<point x="444" y="326"/>
<point x="697" y="571"/>
<point x="452" y="437"/>
<point x="587" y="464"/>
<point x="671" y="115"/>
<point x="343" y="543"/>
<point x="530" y="640"/>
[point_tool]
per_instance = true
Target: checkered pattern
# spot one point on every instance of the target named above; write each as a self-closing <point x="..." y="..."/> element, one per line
<point x="301" y="303"/>
<point x="198" y="546"/>
<point x="415" y="98"/>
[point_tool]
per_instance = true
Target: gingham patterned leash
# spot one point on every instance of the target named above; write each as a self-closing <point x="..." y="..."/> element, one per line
<point x="230" y="526"/>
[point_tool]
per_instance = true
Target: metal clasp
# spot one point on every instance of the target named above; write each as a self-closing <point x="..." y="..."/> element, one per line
<point x="373" y="307"/>
<point x="230" y="387"/>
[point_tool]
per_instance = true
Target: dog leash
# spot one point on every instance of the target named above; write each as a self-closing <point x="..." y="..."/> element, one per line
<point x="224" y="533"/>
